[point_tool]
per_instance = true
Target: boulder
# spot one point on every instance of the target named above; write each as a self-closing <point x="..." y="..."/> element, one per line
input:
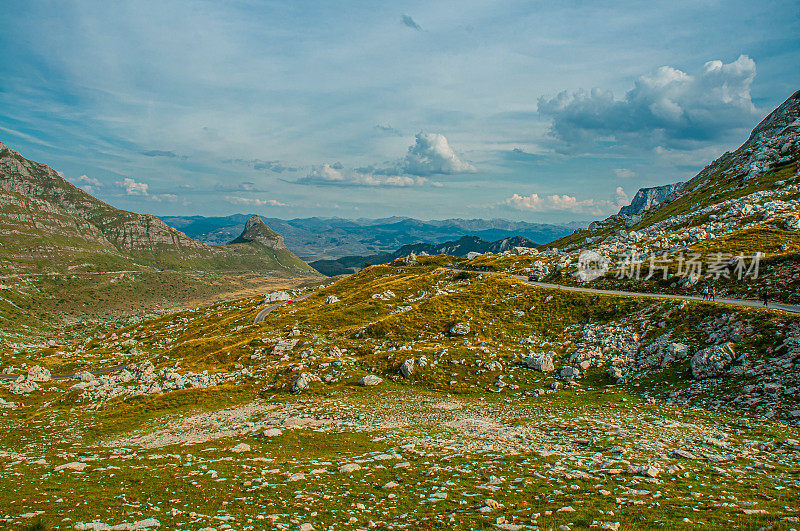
<point x="240" y="448"/>
<point x="38" y="374"/>
<point x="272" y="432"/>
<point x="84" y="376"/>
<point x="369" y="380"/>
<point x="407" y="368"/>
<point x="300" y="384"/>
<point x="276" y="296"/>
<point x="23" y="387"/>
<point x="792" y="223"/>
<point x="540" y="361"/>
<point x="569" y="372"/>
<point x="331" y="299"/>
<point x="712" y="361"/>
<point x="459" y="329"/>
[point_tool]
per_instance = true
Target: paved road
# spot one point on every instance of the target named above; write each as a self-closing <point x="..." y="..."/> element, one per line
<point x="736" y="302"/>
<point x="66" y="376"/>
<point x="263" y="313"/>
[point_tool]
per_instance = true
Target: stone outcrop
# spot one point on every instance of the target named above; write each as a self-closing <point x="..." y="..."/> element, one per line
<point x="647" y="197"/>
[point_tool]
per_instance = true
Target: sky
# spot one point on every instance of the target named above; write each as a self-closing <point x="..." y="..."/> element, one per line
<point x="524" y="110"/>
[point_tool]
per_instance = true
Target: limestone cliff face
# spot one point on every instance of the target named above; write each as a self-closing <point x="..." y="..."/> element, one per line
<point x="256" y="231"/>
<point x="647" y="197"/>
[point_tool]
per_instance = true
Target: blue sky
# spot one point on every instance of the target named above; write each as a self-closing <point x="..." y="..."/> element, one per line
<point x="540" y="111"/>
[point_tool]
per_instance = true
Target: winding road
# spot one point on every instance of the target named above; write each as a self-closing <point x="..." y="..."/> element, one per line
<point x="266" y="311"/>
<point x="794" y="308"/>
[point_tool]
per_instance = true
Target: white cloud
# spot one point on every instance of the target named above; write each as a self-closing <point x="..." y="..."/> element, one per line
<point x="667" y="107"/>
<point x="327" y="174"/>
<point x="621" y="198"/>
<point x="170" y="198"/>
<point x="567" y="203"/>
<point x="132" y="187"/>
<point x="252" y="201"/>
<point x="432" y="154"/>
<point x="624" y="173"/>
<point x="91" y="181"/>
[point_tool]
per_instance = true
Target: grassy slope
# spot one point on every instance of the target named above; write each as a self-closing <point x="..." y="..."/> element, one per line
<point x="123" y="482"/>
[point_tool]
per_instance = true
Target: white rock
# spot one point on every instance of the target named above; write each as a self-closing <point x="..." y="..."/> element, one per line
<point x="331" y="299"/>
<point x="540" y="361"/>
<point x="272" y="432"/>
<point x="38" y="373"/>
<point x="240" y="448"/>
<point x="349" y="467"/>
<point x="76" y="465"/>
<point x="369" y="380"/>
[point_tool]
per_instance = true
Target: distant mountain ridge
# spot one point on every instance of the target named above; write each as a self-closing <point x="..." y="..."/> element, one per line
<point x="461" y="247"/>
<point x="49" y="224"/>
<point x="332" y="238"/>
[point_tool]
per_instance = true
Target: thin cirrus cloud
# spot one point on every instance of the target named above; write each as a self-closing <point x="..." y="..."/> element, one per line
<point x="252" y="201"/>
<point x="410" y="23"/>
<point x="159" y="153"/>
<point x="666" y="108"/>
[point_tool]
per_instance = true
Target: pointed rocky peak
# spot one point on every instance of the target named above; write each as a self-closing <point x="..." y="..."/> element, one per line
<point x="256" y="231"/>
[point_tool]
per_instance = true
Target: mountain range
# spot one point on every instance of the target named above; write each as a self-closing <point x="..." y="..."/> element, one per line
<point x="463" y="247"/>
<point x="50" y="225"/>
<point x="332" y="238"/>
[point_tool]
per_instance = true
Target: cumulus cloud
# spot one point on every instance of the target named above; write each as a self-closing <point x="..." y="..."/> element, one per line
<point x="409" y="22"/>
<point x="624" y="173"/>
<point x="667" y="107"/>
<point x="252" y="201"/>
<point x="567" y="203"/>
<point x="431" y="154"/>
<point x="86" y="183"/>
<point x="132" y="187"/>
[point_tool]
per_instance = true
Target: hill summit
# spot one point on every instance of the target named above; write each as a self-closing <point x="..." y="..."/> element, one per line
<point x="256" y="231"/>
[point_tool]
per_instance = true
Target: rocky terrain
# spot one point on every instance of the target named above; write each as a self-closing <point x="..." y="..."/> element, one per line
<point x="50" y="225"/>
<point x="745" y="203"/>
<point x="444" y="392"/>
<point x="400" y="398"/>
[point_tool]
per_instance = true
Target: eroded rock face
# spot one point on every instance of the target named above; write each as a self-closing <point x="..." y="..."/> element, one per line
<point x="712" y="361"/>
<point x="256" y="231"/>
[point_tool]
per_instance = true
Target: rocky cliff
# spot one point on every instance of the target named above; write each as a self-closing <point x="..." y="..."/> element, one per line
<point x="256" y="231"/>
<point x="647" y="197"/>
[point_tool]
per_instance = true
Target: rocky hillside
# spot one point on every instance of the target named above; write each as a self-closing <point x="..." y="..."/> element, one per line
<point x="745" y="202"/>
<point x="64" y="227"/>
<point x="412" y="397"/>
